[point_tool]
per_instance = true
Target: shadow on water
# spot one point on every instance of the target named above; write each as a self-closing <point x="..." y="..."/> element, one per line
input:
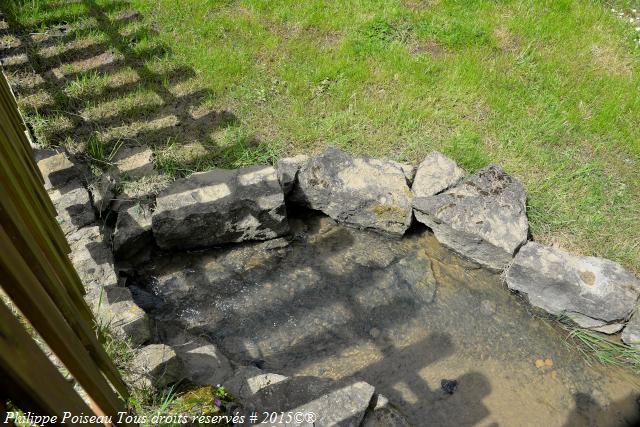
<point x="400" y="314"/>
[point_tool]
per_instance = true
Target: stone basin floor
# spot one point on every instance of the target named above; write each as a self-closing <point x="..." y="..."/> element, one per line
<point x="401" y="314"/>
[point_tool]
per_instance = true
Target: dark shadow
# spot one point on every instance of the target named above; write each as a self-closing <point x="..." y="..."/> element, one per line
<point x="588" y="412"/>
<point x="324" y="312"/>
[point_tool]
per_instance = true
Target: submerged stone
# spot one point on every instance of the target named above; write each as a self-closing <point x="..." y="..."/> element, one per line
<point x="358" y="191"/>
<point x="593" y="291"/>
<point x="220" y="206"/>
<point x="483" y="218"/>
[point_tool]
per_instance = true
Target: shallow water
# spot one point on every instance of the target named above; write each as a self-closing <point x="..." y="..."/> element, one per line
<point x="400" y="314"/>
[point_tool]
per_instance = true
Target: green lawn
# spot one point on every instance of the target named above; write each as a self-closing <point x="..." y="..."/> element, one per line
<point x="548" y="88"/>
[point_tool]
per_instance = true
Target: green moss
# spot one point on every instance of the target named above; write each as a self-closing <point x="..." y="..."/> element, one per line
<point x="388" y="212"/>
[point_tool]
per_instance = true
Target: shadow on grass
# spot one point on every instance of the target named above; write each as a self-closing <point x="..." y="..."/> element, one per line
<point x="99" y="73"/>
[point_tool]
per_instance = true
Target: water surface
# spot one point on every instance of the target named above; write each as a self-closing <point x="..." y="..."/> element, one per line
<point x="401" y="314"/>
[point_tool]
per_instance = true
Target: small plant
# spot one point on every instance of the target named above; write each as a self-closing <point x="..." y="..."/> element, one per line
<point x="602" y="349"/>
<point x="99" y="154"/>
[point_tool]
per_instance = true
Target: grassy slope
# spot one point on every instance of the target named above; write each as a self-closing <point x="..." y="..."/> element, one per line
<point x="549" y="89"/>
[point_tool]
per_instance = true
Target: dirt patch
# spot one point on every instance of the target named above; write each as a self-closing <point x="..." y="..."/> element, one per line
<point x="506" y="40"/>
<point x="429" y="47"/>
<point x="610" y="60"/>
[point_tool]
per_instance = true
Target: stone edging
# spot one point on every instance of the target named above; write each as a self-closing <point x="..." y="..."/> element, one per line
<point x="481" y="217"/>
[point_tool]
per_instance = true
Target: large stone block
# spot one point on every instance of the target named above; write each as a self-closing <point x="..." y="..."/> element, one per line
<point x="220" y="206"/>
<point x="592" y="291"/>
<point x="358" y="191"/>
<point x="483" y="218"/>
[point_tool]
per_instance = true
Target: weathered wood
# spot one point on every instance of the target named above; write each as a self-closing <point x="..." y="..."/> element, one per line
<point x="27" y="294"/>
<point x="31" y="370"/>
<point x="37" y="275"/>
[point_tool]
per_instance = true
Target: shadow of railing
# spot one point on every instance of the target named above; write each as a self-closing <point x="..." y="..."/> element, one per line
<point x="309" y="317"/>
<point x="80" y="72"/>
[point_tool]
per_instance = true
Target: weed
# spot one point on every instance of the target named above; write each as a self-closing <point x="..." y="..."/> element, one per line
<point x="603" y="349"/>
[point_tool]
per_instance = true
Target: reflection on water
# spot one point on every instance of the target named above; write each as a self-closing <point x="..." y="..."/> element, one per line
<point x="399" y="314"/>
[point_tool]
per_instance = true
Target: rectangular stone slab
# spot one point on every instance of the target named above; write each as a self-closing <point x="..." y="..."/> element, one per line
<point x="220" y="206"/>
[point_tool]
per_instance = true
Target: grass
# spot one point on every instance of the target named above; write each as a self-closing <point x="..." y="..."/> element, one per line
<point x="604" y="350"/>
<point x="548" y="89"/>
<point x="149" y="404"/>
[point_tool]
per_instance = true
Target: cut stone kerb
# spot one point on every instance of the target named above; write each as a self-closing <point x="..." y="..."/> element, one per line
<point x="220" y="206"/>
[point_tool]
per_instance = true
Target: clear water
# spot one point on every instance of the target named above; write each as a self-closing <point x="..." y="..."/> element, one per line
<point x="400" y="314"/>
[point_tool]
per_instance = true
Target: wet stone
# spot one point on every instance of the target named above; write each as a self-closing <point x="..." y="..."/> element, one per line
<point x="483" y="218"/>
